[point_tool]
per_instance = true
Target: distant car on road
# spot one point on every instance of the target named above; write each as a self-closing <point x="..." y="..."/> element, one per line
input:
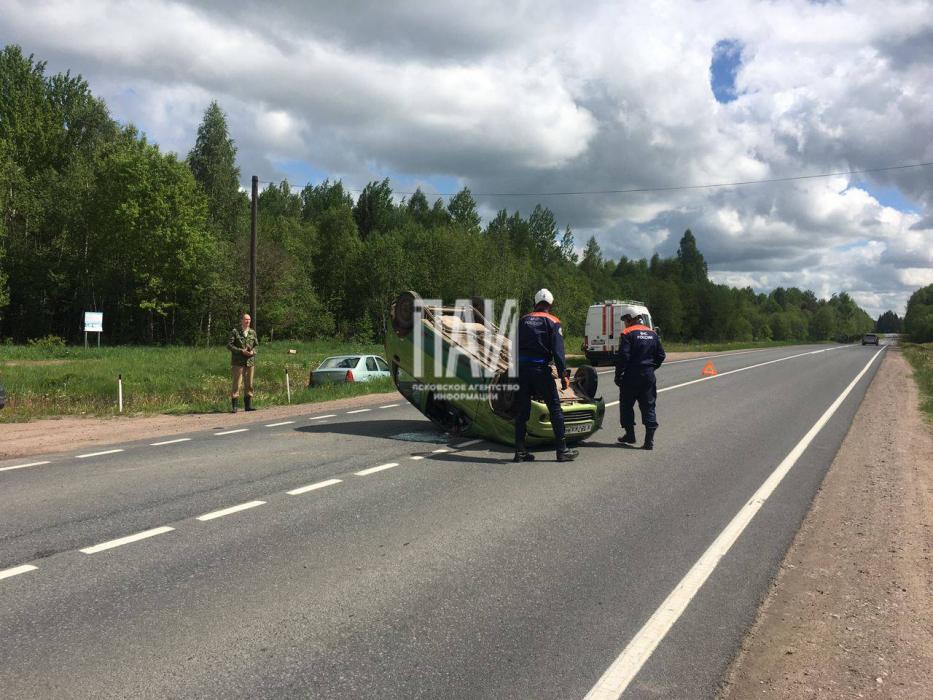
<point x="349" y="368"/>
<point x="869" y="339"/>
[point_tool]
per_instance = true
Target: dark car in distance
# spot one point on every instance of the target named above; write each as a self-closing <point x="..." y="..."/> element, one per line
<point x="870" y="339"/>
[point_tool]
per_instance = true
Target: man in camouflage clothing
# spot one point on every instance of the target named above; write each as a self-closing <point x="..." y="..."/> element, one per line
<point x="242" y="347"/>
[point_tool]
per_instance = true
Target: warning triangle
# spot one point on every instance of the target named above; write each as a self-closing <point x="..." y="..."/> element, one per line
<point x="709" y="370"/>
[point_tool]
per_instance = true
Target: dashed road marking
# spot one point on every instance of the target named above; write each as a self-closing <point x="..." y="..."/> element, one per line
<point x="313" y="487"/>
<point x="329" y="415"/>
<point x="276" y="425"/>
<point x="391" y="405"/>
<point x="169" y="442"/>
<point x="22" y="466"/>
<point x="705" y="357"/>
<point x="231" y="509"/>
<point x="443" y="449"/>
<point x="416" y="457"/>
<point x="373" y="470"/>
<point x="231" y="432"/>
<point x="359" y="410"/>
<point x="17" y="570"/>
<point x="467" y="444"/>
<point x="98" y="454"/>
<point x="110" y="544"/>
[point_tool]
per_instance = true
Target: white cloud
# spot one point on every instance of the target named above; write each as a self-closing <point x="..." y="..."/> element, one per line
<point x="558" y="96"/>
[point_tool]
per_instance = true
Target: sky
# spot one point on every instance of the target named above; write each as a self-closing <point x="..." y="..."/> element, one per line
<point x="555" y="96"/>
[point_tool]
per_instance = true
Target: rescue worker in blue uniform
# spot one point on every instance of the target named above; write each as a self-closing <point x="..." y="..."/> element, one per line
<point x="640" y="354"/>
<point x="540" y="341"/>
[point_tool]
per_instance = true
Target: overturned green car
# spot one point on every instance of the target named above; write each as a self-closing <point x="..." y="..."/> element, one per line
<point x="453" y="364"/>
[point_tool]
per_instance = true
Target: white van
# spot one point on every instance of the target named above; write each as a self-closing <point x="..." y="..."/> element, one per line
<point x="604" y="328"/>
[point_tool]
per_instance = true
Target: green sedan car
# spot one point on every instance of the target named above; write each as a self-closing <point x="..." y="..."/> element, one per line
<point x="452" y="364"/>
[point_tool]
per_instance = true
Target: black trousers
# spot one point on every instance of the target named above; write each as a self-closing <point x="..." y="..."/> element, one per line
<point x="643" y="389"/>
<point x="536" y="380"/>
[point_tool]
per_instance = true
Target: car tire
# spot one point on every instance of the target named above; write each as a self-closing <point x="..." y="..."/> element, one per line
<point x="403" y="314"/>
<point x="587" y="380"/>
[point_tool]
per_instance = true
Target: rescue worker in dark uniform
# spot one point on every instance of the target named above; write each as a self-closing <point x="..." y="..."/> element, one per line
<point x="640" y="354"/>
<point x="540" y="341"/>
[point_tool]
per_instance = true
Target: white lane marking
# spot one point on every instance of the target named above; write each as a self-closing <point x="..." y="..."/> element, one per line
<point x="443" y="449"/>
<point x="17" y="570"/>
<point x="467" y="444"/>
<point x="169" y="442"/>
<point x="231" y="432"/>
<point x="733" y="371"/>
<point x="127" y="540"/>
<point x="627" y="665"/>
<point x="276" y="425"/>
<point x="329" y="415"/>
<point x="416" y="457"/>
<point x="313" y="487"/>
<point x="98" y="454"/>
<point x="359" y="410"/>
<point x="231" y="509"/>
<point x="22" y="466"/>
<point x="373" y="470"/>
<point x="391" y="405"/>
<point x="713" y="357"/>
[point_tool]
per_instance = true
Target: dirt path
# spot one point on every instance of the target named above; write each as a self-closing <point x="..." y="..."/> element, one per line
<point x="851" y="612"/>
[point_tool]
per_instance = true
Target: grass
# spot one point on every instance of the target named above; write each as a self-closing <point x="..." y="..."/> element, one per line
<point x="921" y="357"/>
<point x="59" y="380"/>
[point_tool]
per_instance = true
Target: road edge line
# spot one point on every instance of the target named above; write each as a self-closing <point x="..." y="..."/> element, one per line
<point x="627" y="665"/>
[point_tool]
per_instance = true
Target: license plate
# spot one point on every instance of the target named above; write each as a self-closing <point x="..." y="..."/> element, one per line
<point x="579" y="428"/>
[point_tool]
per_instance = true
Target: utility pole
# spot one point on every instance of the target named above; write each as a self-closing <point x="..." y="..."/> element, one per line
<point x="252" y="252"/>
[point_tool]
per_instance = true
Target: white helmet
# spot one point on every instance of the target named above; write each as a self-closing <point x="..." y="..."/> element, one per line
<point x="545" y="296"/>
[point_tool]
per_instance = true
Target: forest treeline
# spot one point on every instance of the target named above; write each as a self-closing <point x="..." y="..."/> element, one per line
<point x="97" y="218"/>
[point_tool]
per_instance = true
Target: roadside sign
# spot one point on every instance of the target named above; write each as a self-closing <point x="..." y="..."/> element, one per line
<point x="93" y="321"/>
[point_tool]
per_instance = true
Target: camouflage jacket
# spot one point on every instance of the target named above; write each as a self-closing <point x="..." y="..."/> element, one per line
<point x="238" y="341"/>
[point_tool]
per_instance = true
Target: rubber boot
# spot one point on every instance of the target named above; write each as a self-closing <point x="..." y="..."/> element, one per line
<point x="629" y="437"/>
<point x="649" y="439"/>
<point x="522" y="454"/>
<point x="233" y="403"/>
<point x="564" y="453"/>
<point x="248" y="403"/>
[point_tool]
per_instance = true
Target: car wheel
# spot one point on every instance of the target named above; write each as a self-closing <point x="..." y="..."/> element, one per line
<point x="403" y="314"/>
<point x="587" y="380"/>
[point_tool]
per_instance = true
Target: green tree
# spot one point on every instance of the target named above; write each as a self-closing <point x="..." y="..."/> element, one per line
<point x="692" y="264"/>
<point x="374" y="210"/>
<point x="463" y="213"/>
<point x="419" y="209"/>
<point x="592" y="260"/>
<point x="918" y="321"/>
<point x="823" y="325"/>
<point x="213" y="162"/>
<point x="889" y="322"/>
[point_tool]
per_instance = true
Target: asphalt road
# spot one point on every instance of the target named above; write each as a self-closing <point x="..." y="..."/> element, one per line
<point x="454" y="573"/>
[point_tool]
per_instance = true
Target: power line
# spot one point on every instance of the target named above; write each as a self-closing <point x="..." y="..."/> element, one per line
<point x="633" y="190"/>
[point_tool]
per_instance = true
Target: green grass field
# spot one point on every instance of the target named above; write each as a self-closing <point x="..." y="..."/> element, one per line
<point x="57" y="380"/>
<point x="921" y="357"/>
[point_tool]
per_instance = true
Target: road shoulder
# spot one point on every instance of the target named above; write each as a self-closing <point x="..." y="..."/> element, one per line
<point x="57" y="434"/>
<point x="850" y="613"/>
